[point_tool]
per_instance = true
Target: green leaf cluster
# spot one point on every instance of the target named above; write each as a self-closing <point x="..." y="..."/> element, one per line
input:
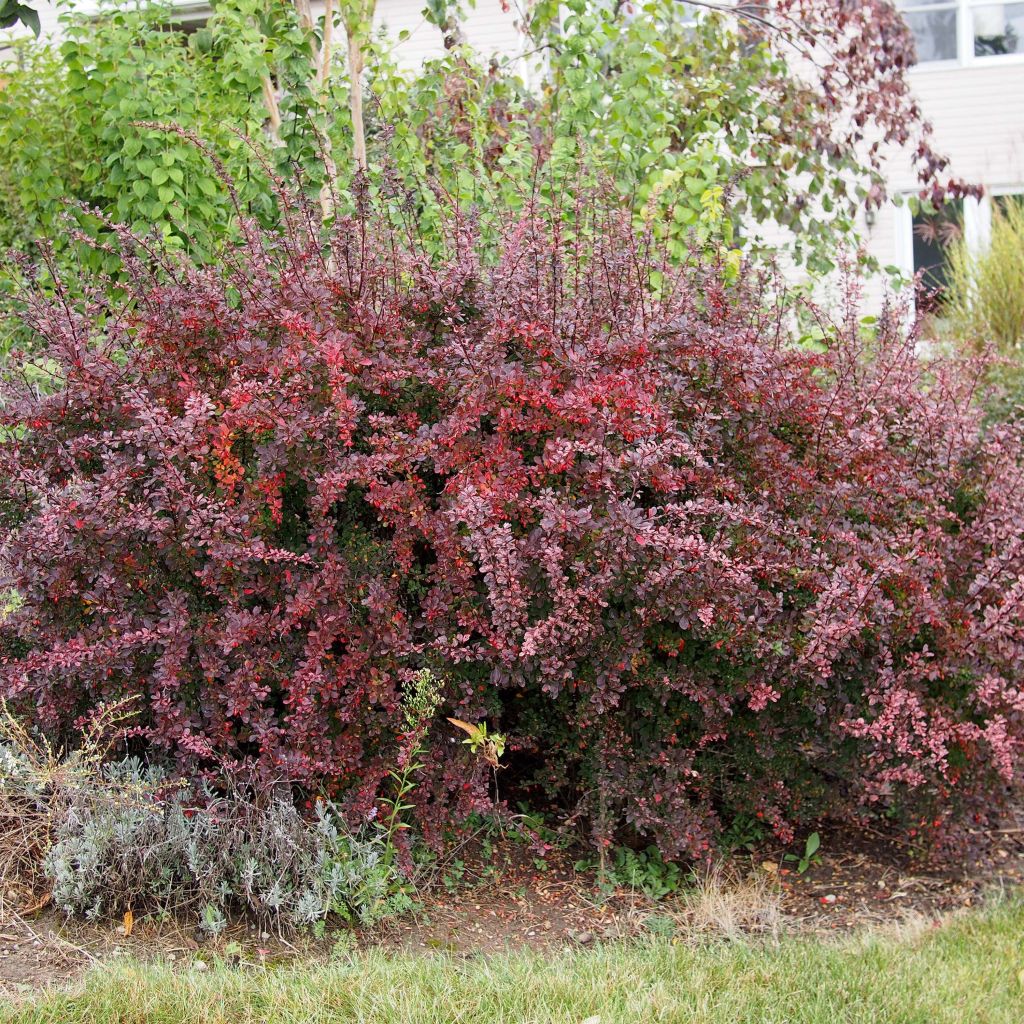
<point x="702" y="130"/>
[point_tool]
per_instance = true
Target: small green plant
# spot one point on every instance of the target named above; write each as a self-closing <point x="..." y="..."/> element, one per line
<point x="213" y="920"/>
<point x="361" y="870"/>
<point x="661" y="925"/>
<point x="531" y="829"/>
<point x="39" y="783"/>
<point x="344" y="945"/>
<point x="489" y="745"/>
<point x="454" y="875"/>
<point x="419" y="705"/>
<point x="744" y="833"/>
<point x="810" y="855"/>
<point x="643" y="870"/>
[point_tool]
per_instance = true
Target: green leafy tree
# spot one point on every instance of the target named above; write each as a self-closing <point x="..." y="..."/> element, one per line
<point x="42" y="156"/>
<point x="695" y="115"/>
<point x="73" y="121"/>
<point x="706" y="120"/>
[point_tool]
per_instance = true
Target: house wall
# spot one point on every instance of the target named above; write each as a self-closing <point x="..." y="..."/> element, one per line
<point x="978" y="115"/>
<point x="487" y="27"/>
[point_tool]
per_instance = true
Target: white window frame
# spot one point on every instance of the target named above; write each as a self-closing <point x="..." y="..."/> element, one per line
<point x="988" y="206"/>
<point x="964" y="37"/>
<point x="977" y="214"/>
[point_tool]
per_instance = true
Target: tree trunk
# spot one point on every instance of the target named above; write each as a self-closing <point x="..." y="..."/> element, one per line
<point x="273" y="110"/>
<point x="355" y="72"/>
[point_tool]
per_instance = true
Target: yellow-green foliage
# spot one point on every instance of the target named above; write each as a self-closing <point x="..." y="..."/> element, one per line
<point x="986" y="290"/>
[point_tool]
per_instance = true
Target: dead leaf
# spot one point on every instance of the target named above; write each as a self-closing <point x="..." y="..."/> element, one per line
<point x="129" y="923"/>
<point x="464" y="726"/>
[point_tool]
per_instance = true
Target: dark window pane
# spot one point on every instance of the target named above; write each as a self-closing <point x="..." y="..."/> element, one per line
<point x="1003" y="203"/>
<point x="933" y="234"/>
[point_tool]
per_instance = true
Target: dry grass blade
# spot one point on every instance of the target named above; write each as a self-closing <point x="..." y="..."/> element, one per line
<point x="986" y="290"/>
<point x="26" y="766"/>
<point x="36" y="780"/>
<point x="724" y="903"/>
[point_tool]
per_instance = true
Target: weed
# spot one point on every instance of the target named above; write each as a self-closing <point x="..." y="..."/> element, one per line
<point x="744" y="833"/>
<point x="810" y="855"/>
<point x="643" y="870"/>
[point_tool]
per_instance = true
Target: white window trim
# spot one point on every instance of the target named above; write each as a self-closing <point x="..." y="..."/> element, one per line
<point x="965" y="57"/>
<point x="977" y="214"/>
<point x="989" y="198"/>
<point x="904" y="254"/>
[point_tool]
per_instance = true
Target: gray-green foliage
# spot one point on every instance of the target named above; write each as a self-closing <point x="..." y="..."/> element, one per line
<point x="134" y="841"/>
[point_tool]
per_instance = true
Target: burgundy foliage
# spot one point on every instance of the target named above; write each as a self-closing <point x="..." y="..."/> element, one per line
<point x="857" y="54"/>
<point x="693" y="568"/>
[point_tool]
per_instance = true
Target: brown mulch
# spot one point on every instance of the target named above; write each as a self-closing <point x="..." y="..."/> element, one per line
<point x="513" y="898"/>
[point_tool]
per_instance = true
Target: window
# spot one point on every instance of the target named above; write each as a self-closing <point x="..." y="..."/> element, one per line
<point x="934" y="24"/>
<point x="1004" y="200"/>
<point x="997" y="29"/>
<point x="922" y="240"/>
<point x="964" y="30"/>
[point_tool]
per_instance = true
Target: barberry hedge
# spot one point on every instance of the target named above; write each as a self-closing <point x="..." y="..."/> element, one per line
<point x="695" y="567"/>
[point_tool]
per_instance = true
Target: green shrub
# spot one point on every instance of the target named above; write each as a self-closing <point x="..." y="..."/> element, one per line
<point x="690" y="117"/>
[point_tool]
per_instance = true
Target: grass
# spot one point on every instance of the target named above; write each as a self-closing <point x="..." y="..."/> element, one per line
<point x="969" y="970"/>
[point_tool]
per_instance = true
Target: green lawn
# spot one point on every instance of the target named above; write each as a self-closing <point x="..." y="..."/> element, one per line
<point x="970" y="971"/>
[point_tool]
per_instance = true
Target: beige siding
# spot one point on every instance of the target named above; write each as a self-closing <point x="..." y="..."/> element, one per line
<point x="978" y="115"/>
<point x="488" y="28"/>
